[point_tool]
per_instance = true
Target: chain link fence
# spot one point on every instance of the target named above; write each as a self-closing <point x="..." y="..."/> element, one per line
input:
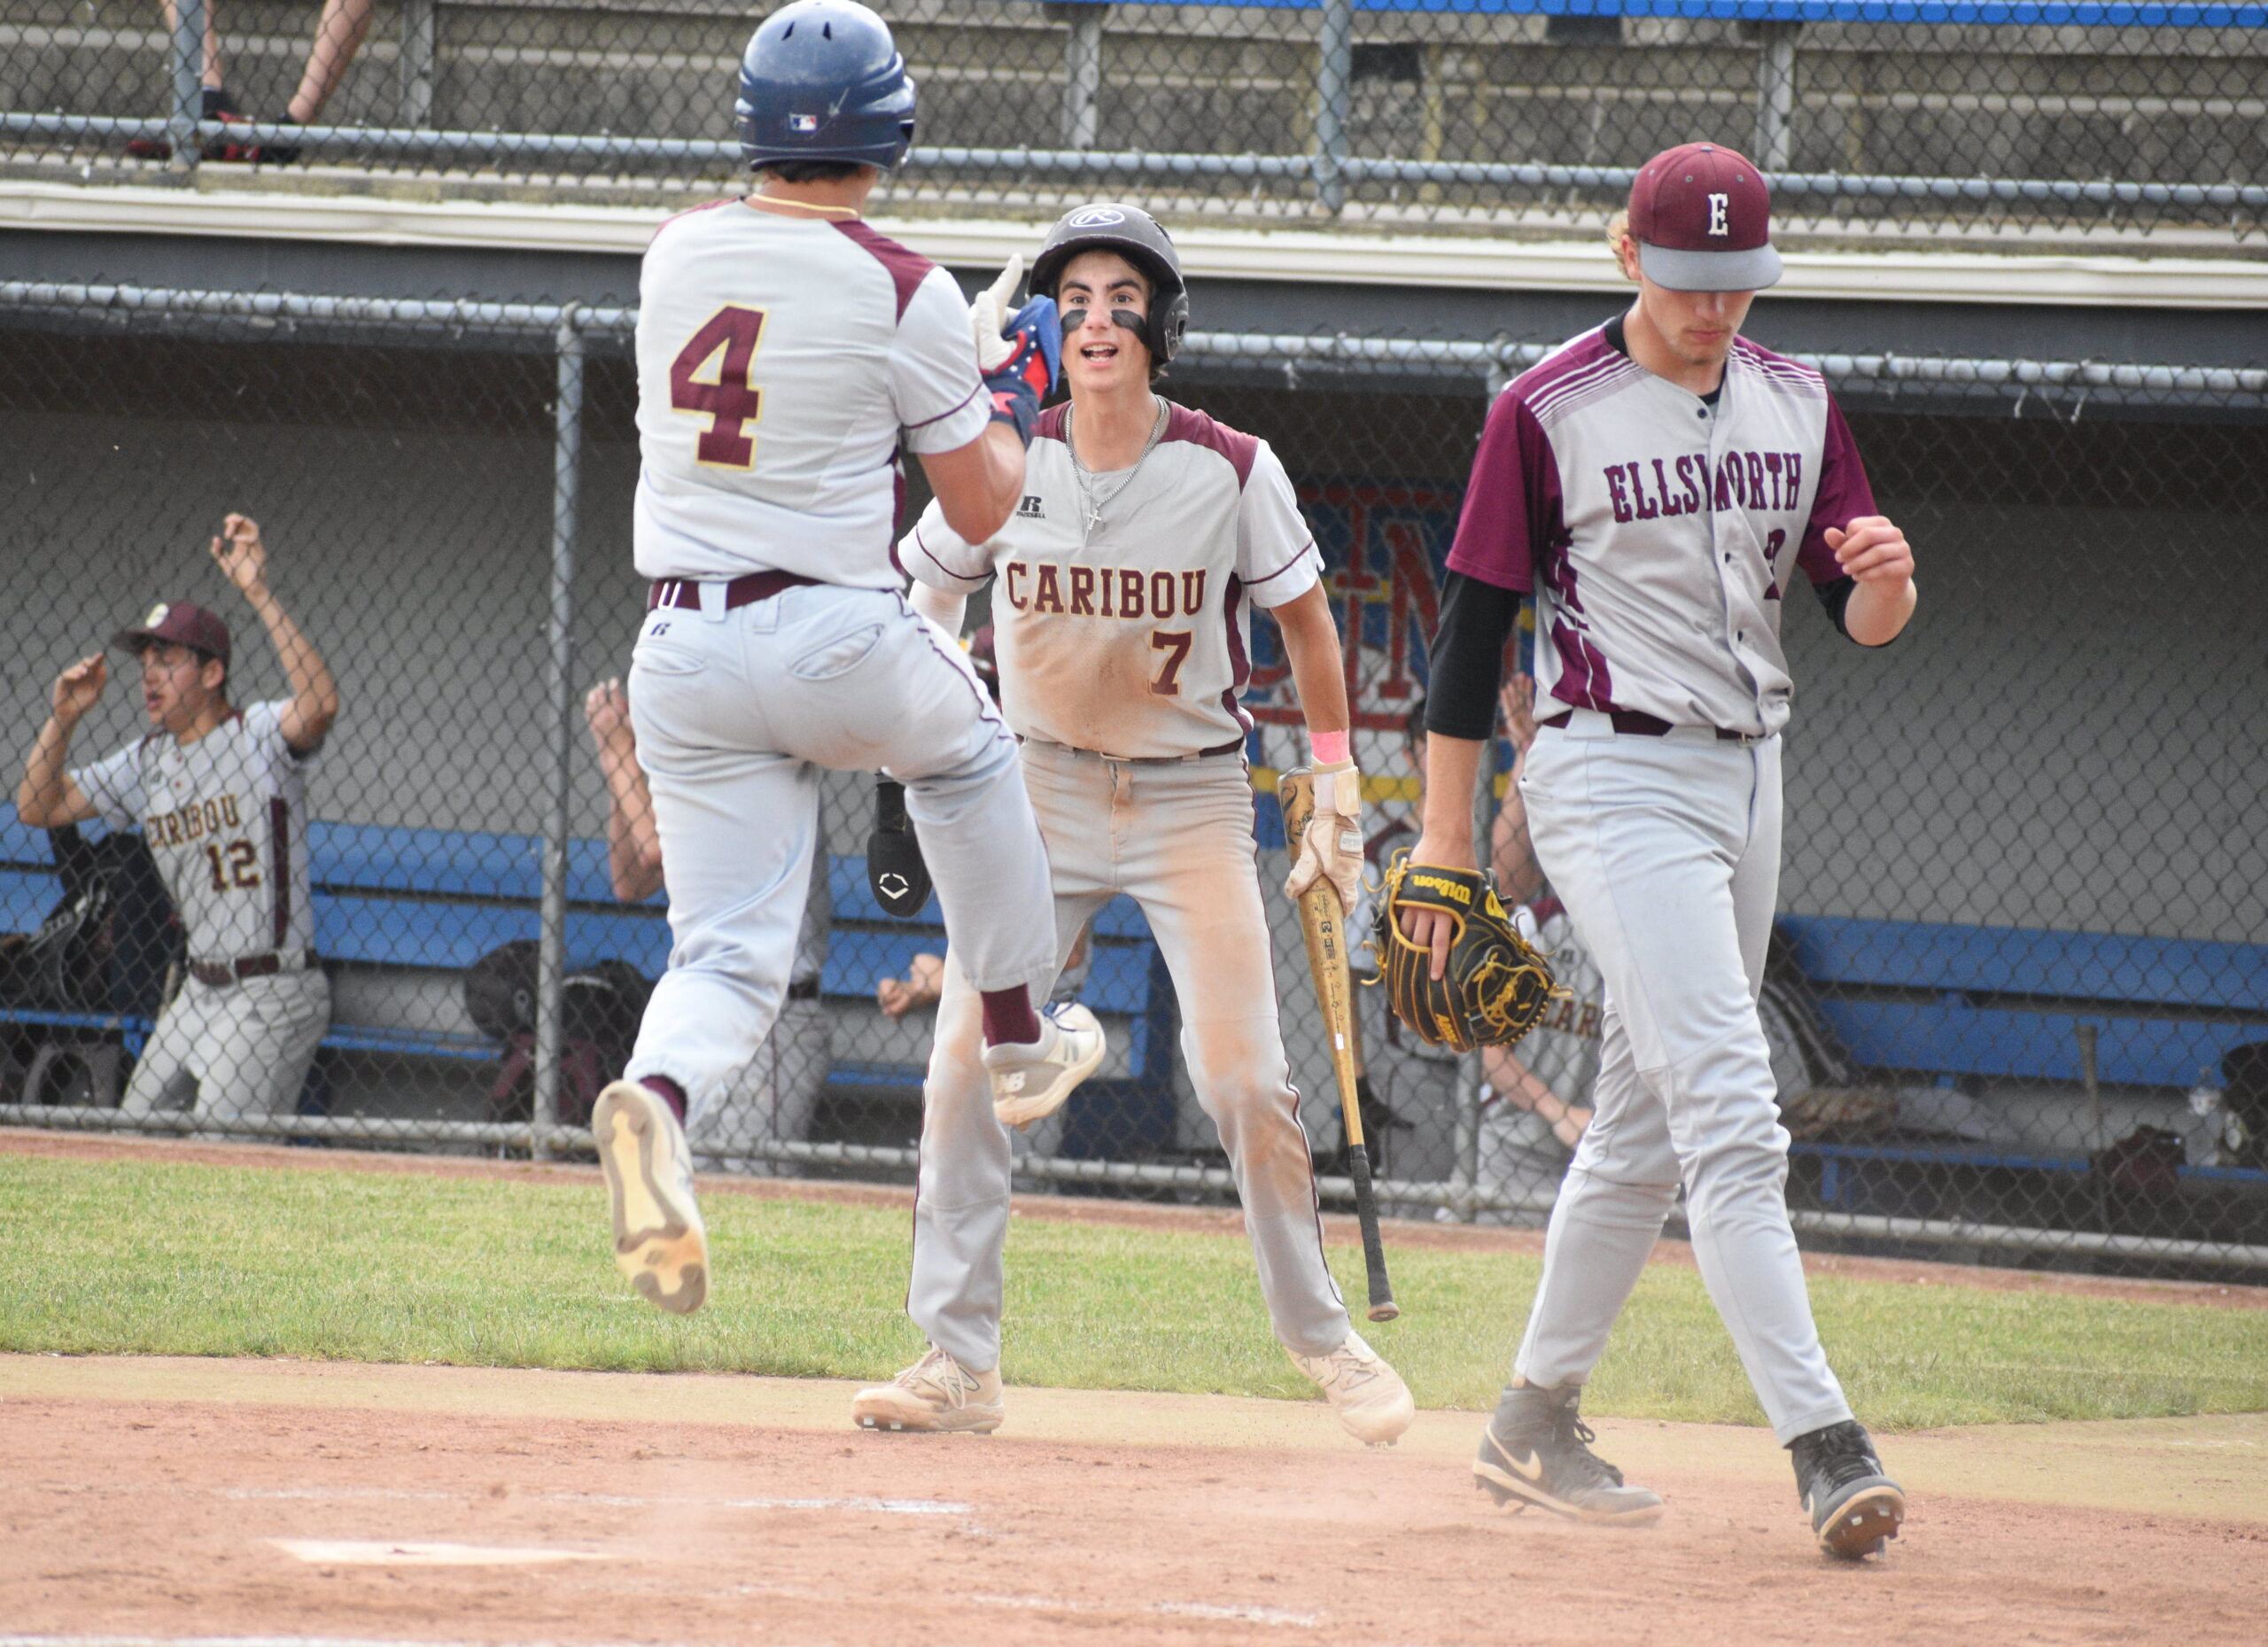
<point x="2019" y="1002"/>
<point x="2001" y="119"/>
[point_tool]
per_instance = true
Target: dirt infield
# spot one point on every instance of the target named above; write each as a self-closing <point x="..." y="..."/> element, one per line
<point x="1339" y="1229"/>
<point x="156" y="1499"/>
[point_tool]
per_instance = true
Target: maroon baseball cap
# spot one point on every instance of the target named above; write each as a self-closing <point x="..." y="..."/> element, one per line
<point x="181" y="623"/>
<point x="1702" y="218"/>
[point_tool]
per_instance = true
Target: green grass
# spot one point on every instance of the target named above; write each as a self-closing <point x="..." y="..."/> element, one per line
<point x="178" y="1259"/>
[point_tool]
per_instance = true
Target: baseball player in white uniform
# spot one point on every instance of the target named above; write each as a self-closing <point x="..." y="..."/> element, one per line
<point x="220" y="795"/>
<point x="784" y="352"/>
<point x="1656" y="485"/>
<point x="1122" y="590"/>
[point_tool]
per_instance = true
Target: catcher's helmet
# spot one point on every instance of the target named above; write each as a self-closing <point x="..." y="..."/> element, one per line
<point x="1131" y="232"/>
<point x="821" y="81"/>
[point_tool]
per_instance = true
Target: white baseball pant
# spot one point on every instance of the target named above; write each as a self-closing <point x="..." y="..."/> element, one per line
<point x="1176" y="835"/>
<point x="736" y="712"/>
<point x="1666" y="853"/>
<point x="242" y="1049"/>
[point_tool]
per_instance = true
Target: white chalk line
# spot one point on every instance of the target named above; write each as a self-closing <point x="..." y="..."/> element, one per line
<point x="871" y="1506"/>
<point x="382" y="1552"/>
<point x="1057" y="1603"/>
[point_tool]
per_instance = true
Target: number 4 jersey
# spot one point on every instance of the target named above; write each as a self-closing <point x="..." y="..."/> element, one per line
<point x="781" y="359"/>
<point x="1122" y="610"/>
<point x="226" y="817"/>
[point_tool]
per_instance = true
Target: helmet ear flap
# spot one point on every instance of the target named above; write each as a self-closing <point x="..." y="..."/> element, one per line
<point x="1169" y="322"/>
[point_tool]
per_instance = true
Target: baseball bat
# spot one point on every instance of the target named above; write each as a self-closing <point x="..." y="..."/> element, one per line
<point x="1323" y="924"/>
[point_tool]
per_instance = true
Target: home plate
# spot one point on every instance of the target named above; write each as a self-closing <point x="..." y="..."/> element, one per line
<point x="373" y="1552"/>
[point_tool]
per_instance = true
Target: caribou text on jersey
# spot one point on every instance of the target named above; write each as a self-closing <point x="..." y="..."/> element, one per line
<point x="1128" y="592"/>
<point x="1661" y="488"/>
<point x="192" y="822"/>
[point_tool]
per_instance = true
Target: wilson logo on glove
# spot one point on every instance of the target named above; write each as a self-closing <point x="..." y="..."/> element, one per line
<point x="1496" y="988"/>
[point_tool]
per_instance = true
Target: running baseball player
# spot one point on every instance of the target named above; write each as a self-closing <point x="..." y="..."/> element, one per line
<point x="1121" y="594"/>
<point x="785" y="351"/>
<point x="220" y="795"/>
<point x="1655" y="484"/>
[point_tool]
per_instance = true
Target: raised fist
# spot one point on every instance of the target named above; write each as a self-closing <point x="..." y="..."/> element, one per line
<point x="77" y="688"/>
<point x="240" y="554"/>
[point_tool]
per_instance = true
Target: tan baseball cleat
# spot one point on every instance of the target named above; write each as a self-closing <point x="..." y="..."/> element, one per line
<point x="1371" y="1399"/>
<point x="1031" y="1082"/>
<point x="937" y="1392"/>
<point x="659" y="1241"/>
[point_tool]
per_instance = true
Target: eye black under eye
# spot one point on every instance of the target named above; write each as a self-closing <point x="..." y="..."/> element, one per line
<point x="1072" y="319"/>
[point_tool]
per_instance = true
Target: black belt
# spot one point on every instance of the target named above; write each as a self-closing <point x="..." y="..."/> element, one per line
<point x="685" y="593"/>
<point x="807" y="991"/>
<point x="221" y="973"/>
<point x="1230" y="748"/>
<point x="1637" y="723"/>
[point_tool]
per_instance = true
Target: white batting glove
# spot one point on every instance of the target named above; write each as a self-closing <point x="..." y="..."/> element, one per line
<point x="1333" y="847"/>
<point x="989" y="311"/>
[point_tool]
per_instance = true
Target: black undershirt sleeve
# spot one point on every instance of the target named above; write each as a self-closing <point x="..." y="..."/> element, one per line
<point x="1835" y="594"/>
<point x="1468" y="655"/>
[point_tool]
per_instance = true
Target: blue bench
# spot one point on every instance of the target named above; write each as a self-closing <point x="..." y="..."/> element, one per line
<point x="398" y="897"/>
<point x="1943" y="1001"/>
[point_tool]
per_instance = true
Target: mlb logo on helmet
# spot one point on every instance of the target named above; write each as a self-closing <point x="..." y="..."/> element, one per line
<point x="803" y="123"/>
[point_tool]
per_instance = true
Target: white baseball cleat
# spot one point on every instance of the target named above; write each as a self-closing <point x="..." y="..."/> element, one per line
<point x="1031" y="1080"/>
<point x="1369" y="1397"/>
<point x="935" y="1393"/>
<point x="659" y="1241"/>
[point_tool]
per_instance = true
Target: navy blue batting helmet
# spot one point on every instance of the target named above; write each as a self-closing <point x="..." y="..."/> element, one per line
<point x="822" y="80"/>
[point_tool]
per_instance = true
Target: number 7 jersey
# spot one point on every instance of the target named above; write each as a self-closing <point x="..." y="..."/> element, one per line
<point x="1130" y="634"/>
<point x="781" y="360"/>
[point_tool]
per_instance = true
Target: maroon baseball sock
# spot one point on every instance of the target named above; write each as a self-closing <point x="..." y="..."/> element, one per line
<point x="669" y="1092"/>
<point x="1008" y="1016"/>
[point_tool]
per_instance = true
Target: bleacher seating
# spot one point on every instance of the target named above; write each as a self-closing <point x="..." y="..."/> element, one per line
<point x="428" y="900"/>
<point x="1927" y="1001"/>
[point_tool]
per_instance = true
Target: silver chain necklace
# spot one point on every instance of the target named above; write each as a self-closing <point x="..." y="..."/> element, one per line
<point x="1091" y="498"/>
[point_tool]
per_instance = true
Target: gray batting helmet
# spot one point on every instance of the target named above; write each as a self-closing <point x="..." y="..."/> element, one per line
<point x="1131" y="232"/>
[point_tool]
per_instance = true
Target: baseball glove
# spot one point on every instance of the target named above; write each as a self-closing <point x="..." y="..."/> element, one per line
<point x="1496" y="986"/>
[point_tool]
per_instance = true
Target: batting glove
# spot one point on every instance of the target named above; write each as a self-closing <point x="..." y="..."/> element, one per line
<point x="1333" y="847"/>
<point x="1020" y="356"/>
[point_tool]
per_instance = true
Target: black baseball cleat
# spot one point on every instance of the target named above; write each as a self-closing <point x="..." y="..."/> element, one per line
<point x="1536" y="1450"/>
<point x="1855" y="1508"/>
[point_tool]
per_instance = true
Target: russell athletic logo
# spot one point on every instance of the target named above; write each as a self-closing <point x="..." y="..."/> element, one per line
<point x="1031" y="510"/>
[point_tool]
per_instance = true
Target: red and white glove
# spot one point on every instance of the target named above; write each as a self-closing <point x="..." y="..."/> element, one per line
<point x="1333" y="847"/>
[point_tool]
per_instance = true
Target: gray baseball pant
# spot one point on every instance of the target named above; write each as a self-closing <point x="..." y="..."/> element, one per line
<point x="1176" y="835"/>
<point x="1666" y="853"/>
<point x="736" y="712"/>
<point x="240" y="1049"/>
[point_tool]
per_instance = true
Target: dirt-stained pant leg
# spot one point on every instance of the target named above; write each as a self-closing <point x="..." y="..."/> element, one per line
<point x="1667" y="853"/>
<point x="1178" y="836"/>
<point x="735" y="712"/>
<point x="960" y="1207"/>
